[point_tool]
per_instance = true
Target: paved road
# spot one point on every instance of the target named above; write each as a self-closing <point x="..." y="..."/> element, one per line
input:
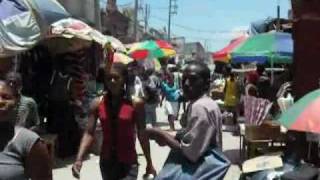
<point x="90" y="170"/>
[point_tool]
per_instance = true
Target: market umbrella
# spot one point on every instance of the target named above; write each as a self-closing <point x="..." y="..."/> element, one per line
<point x="122" y="58"/>
<point x="23" y="23"/>
<point x="304" y="114"/>
<point x="223" y="55"/>
<point x="274" y="47"/>
<point x="154" y="48"/>
<point x="73" y="28"/>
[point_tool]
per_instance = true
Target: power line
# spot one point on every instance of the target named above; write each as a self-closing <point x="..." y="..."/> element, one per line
<point x="135" y="28"/>
<point x="173" y="10"/>
<point x="188" y="28"/>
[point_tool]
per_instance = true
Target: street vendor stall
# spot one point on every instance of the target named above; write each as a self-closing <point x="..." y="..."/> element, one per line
<point x="75" y="51"/>
<point x="58" y="58"/>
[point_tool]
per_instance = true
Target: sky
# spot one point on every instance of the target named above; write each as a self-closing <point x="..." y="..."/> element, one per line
<point x="212" y="22"/>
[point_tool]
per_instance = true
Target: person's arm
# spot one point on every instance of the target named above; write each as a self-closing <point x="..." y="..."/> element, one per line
<point x="195" y="141"/>
<point x="225" y="88"/>
<point x="162" y="99"/>
<point x="88" y="137"/>
<point x="143" y="139"/>
<point x="163" y="138"/>
<point x="162" y="94"/>
<point x="38" y="162"/>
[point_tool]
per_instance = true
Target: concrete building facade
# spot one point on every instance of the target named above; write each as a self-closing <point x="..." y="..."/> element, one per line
<point x="85" y="10"/>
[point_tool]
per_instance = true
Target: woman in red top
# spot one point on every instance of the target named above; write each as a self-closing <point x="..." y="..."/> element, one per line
<point x="119" y="119"/>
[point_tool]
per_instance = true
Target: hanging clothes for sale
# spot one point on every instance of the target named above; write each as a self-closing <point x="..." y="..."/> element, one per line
<point x="61" y="116"/>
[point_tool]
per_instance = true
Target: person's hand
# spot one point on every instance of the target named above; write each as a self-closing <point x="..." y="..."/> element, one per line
<point x="76" y="168"/>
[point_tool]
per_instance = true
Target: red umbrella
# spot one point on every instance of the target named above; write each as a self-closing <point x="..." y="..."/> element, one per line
<point x="224" y="54"/>
<point x="155" y="48"/>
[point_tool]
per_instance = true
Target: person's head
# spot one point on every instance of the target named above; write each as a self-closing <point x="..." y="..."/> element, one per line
<point x="252" y="78"/>
<point x="196" y="80"/>
<point x="8" y="99"/>
<point x="147" y="73"/>
<point x="16" y="80"/>
<point x="228" y="70"/>
<point x="260" y="69"/>
<point x="135" y="69"/>
<point x="6" y="63"/>
<point x="116" y="79"/>
<point x="252" y="91"/>
<point x="170" y="78"/>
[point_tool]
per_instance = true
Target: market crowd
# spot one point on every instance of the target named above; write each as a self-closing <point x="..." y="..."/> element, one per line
<point x="121" y="100"/>
<point x="122" y="103"/>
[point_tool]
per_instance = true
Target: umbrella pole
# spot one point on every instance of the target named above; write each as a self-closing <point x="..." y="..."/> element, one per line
<point x="272" y="70"/>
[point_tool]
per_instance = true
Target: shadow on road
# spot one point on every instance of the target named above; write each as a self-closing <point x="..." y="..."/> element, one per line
<point x="63" y="163"/>
<point x="162" y="124"/>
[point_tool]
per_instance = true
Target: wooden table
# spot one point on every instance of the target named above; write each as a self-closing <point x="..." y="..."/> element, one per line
<point x="277" y="135"/>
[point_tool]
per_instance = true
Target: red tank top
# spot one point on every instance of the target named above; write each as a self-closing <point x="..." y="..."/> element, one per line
<point x="124" y="147"/>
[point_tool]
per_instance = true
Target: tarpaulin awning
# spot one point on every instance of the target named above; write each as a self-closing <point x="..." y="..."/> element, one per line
<point x="24" y="22"/>
<point x="72" y="28"/>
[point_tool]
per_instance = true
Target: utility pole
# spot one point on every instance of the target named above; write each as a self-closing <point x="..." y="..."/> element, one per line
<point x="146" y="17"/>
<point x="173" y="7"/>
<point x="135" y="28"/>
<point x="278" y="15"/>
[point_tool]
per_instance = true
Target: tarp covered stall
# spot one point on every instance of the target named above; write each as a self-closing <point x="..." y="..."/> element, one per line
<point x="24" y="22"/>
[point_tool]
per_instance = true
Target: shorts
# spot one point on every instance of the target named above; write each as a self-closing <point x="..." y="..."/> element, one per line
<point x="150" y="113"/>
<point x="171" y="108"/>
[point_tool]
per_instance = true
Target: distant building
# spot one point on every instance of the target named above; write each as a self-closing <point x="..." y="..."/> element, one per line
<point x="85" y="10"/>
<point x="208" y="58"/>
<point x="115" y="24"/>
<point x="157" y="34"/>
<point x="194" y="51"/>
<point x="290" y="14"/>
<point x="179" y="44"/>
